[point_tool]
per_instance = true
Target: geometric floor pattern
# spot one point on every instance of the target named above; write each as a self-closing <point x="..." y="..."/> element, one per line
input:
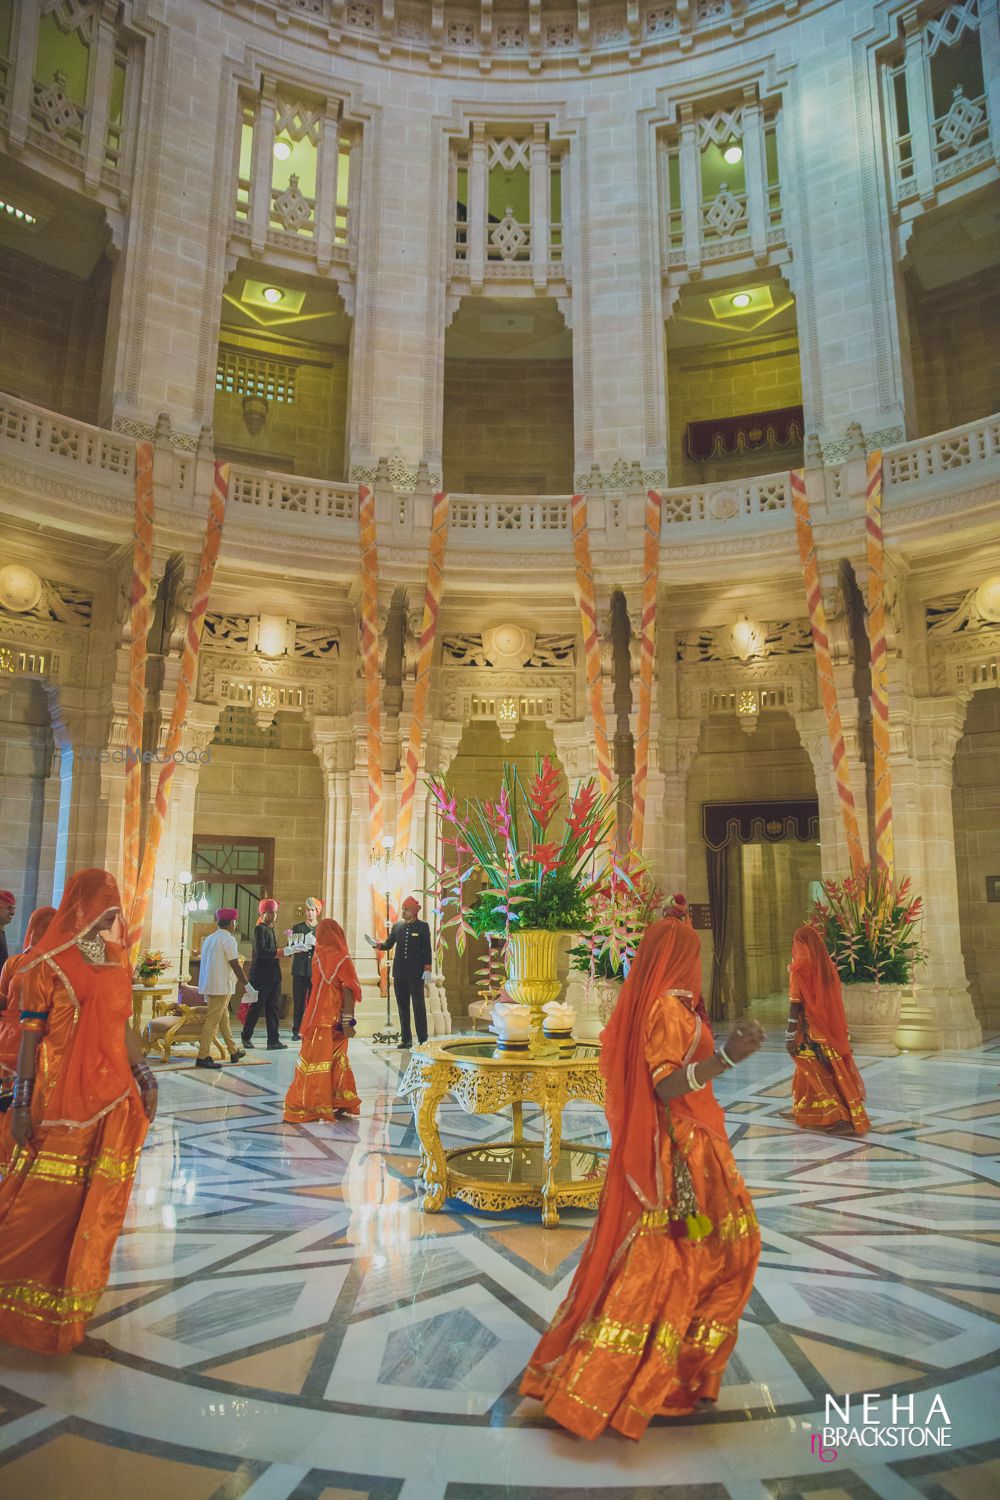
<point x="286" y="1324"/>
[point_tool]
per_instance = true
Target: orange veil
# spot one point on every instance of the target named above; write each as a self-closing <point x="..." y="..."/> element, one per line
<point x="330" y="958"/>
<point x="37" y="926"/>
<point x="668" y="959"/>
<point x="816" y="984"/>
<point x="94" y="1073"/>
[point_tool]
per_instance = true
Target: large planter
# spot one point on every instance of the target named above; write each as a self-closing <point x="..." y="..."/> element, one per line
<point x="605" y="993"/>
<point x="532" y="980"/>
<point x="873" y="1012"/>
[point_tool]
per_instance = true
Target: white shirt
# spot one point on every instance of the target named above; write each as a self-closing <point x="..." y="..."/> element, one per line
<point x="215" y="977"/>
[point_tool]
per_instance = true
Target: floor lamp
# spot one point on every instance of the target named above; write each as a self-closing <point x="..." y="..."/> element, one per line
<point x="386" y="874"/>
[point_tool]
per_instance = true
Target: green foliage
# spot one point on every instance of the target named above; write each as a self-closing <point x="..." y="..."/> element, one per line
<point x="558" y="905"/>
<point x="868" y="924"/>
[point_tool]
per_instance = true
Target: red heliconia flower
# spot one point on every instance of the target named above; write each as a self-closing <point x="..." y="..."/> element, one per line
<point x="447" y="806"/>
<point x="543" y="793"/>
<point x="545" y="855"/>
<point x="581" y="810"/>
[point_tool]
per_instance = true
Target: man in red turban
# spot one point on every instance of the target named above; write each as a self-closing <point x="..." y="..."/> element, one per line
<point x="265" y="978"/>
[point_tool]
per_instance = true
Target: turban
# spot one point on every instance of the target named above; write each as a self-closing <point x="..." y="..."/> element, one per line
<point x="7" y="898"/>
<point x="227" y="914"/>
<point x="314" y="901"/>
<point x="266" y="905"/>
<point x="412" y="901"/>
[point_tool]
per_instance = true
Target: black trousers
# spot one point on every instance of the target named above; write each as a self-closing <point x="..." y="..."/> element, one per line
<point x="409" y="990"/>
<point x="301" y="985"/>
<point x="269" y="1001"/>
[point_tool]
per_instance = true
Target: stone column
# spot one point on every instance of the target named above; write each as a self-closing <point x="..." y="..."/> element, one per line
<point x="574" y="744"/>
<point x="938" y="1013"/>
<point x="163" y="922"/>
<point x="755" y="166"/>
<point x="690" y="169"/>
<point x="24" y="49"/>
<point x="989" y="44"/>
<point x="333" y="743"/>
<point x="540" y="192"/>
<point x="326" y="185"/>
<point x="478" y="196"/>
<point x="99" y="77"/>
<point x="677" y="746"/>
<point x="918" y="103"/>
<point x="263" y="164"/>
<point x="834" y="859"/>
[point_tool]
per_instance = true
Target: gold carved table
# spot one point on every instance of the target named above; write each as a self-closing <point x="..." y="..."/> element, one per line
<point x="506" y="1174"/>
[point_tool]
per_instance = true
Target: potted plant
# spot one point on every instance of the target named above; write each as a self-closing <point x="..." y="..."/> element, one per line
<point x="869" y="926"/>
<point x="509" y="876"/>
<point x="621" y="909"/>
<point x="150" y="967"/>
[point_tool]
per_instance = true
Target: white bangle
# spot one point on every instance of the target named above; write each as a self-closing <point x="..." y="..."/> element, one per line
<point x="693" y="1085"/>
<point x="724" y="1057"/>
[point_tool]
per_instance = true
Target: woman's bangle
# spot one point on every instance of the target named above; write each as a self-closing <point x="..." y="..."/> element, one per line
<point x="23" y="1090"/>
<point x="692" y="1079"/>
<point x="143" y="1075"/>
<point x="724" y="1058"/>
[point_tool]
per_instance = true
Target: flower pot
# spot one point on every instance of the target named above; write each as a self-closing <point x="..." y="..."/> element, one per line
<point x="605" y="993"/>
<point x="531" y="971"/>
<point x="873" y="1012"/>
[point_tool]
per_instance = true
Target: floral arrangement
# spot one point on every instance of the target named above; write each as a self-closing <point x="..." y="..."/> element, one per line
<point x="622" y="907"/>
<point x="530" y="878"/>
<point x="151" y="966"/>
<point x="868" y="924"/>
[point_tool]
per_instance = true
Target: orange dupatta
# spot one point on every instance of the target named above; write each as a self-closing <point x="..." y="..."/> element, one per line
<point x="815" y="983"/>
<point x="668" y="960"/>
<point x="95" y="1071"/>
<point x="331" y="960"/>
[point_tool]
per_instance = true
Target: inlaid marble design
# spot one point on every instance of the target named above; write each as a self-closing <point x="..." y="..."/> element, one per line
<point x="286" y="1324"/>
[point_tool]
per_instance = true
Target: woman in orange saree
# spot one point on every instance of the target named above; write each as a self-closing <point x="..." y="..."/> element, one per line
<point x="652" y="1313"/>
<point x="323" y="1085"/>
<point x="10" y="1023"/>
<point x="827" y="1091"/>
<point x="83" y="1100"/>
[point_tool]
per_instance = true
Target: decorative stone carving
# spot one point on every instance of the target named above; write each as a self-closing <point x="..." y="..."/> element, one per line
<point x="744" y="641"/>
<point x="291" y="206"/>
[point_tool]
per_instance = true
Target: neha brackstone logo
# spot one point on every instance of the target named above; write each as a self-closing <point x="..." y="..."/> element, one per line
<point x="876" y="1421"/>
<point x="128" y="755"/>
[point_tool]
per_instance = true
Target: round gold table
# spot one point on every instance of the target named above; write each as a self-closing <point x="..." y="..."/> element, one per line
<point x="514" y="1173"/>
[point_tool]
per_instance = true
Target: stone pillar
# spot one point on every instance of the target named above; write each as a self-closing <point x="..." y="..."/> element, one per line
<point x="333" y="743"/>
<point x="263" y="164"/>
<point x="677" y="746"/>
<point x="938" y="1013"/>
<point x="326" y="185"/>
<point x="918" y="103"/>
<point x="690" y="168"/>
<point x="755" y="166"/>
<point x="163" y="921"/>
<point x="989" y="45"/>
<point x="540" y="193"/>
<point x="24" y="49"/>
<point x="99" y="78"/>
<point x="574" y="744"/>
<point x="834" y="859"/>
<point x="478" y="197"/>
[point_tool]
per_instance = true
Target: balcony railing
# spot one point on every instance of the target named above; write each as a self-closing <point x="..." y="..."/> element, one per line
<point x="65" y="452"/>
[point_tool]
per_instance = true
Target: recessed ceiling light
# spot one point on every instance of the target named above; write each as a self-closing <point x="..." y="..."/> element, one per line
<point x="733" y="154"/>
<point x="742" y="299"/>
<point x="283" y="151"/>
<point x="10" y="211"/>
<point x="275" y="294"/>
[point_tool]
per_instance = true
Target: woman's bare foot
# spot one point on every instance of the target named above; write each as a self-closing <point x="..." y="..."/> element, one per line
<point x="96" y="1348"/>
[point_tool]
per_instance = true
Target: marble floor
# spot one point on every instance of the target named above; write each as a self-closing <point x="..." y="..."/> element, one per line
<point x="286" y="1322"/>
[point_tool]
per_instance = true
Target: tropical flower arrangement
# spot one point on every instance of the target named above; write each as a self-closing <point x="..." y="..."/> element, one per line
<point x="622" y="907"/>
<point x="151" y="965"/>
<point x="868" y="924"/>
<point x="507" y="869"/>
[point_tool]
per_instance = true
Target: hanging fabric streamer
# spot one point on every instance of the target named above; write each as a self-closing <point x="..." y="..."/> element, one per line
<point x="373" y="682"/>
<point x="824" y="666"/>
<point x="421" y="690"/>
<point x="879" y="664"/>
<point x="139" y="618"/>
<point x="647" y="662"/>
<point x="591" y="640"/>
<point x="182" y="697"/>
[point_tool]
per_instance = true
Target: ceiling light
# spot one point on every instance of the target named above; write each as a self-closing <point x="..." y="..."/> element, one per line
<point x="283" y="150"/>
<point x="742" y="299"/>
<point x="10" y="211"/>
<point x="733" y="154"/>
<point x="274" y="294"/>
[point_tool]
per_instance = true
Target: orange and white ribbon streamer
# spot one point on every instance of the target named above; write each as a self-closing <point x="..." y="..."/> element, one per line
<point x="647" y="661"/>
<point x="182" y="697"/>
<point x="879" y="663"/>
<point x="139" y="618"/>
<point x="421" y="691"/>
<point x="591" y="640"/>
<point x="824" y="666"/>
<point x="373" y="681"/>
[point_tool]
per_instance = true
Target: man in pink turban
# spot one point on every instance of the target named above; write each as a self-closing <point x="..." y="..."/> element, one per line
<point x="411" y="961"/>
<point x="265" y="978"/>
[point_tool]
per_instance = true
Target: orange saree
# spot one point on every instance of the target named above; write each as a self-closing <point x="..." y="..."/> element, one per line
<point x="651" y="1317"/>
<point x="63" y="1199"/>
<point x="323" y="1084"/>
<point x="827" y="1089"/>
